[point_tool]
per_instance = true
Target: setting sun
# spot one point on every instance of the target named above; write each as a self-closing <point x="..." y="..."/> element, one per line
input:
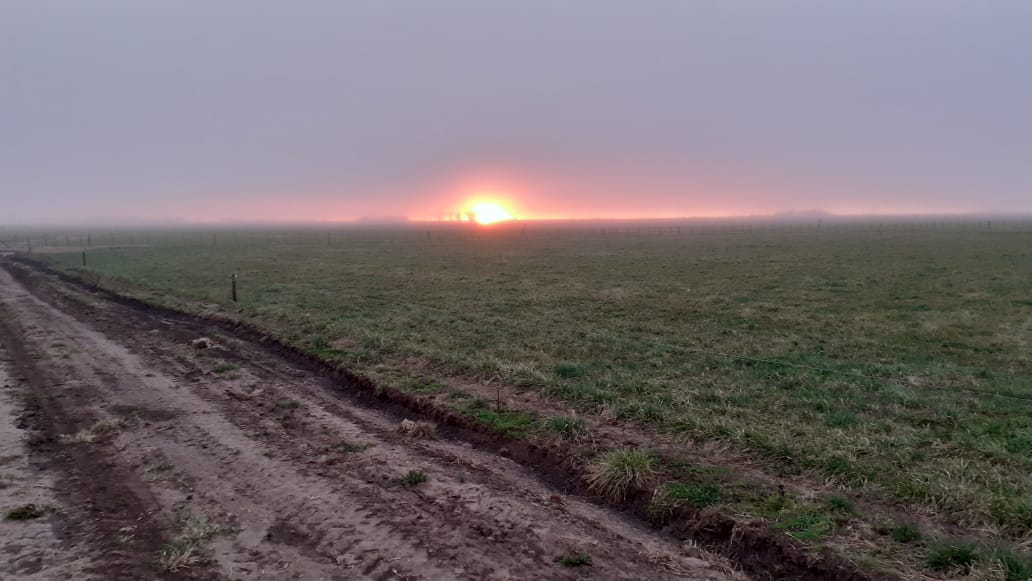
<point x="489" y="212"/>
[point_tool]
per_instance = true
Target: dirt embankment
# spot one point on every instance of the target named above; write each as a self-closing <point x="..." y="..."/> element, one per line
<point x="158" y="460"/>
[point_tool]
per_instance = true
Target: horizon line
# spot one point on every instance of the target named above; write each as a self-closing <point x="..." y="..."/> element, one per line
<point x="785" y="216"/>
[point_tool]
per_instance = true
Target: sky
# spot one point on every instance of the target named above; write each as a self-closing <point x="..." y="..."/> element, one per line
<point x="249" y="110"/>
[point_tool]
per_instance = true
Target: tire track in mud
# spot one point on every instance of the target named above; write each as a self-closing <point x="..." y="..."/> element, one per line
<point x="32" y="549"/>
<point x="303" y="507"/>
<point x="99" y="511"/>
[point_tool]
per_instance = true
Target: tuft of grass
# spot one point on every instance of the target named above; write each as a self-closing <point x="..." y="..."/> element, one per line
<point x="187" y="548"/>
<point x="413" y="478"/>
<point x="614" y="473"/>
<point x="225" y="368"/>
<point x="352" y="448"/>
<point x="84" y="436"/>
<point x="90" y="434"/>
<point x="160" y="471"/>
<point x="26" y="512"/>
<point x="808" y="525"/>
<point x="1017" y="567"/>
<point x="288" y="404"/>
<point x="198" y="527"/>
<point x="682" y="494"/>
<point x="567" y="427"/>
<point x="696" y="495"/>
<point x="177" y="555"/>
<point x="952" y="556"/>
<point x="841" y="504"/>
<point x="510" y="422"/>
<point x="575" y="560"/>
<point x="419" y="430"/>
<point x="108" y="425"/>
<point x="905" y="533"/>
<point x="802" y="520"/>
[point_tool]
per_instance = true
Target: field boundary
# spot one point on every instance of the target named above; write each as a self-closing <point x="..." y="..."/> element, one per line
<point x="754" y="546"/>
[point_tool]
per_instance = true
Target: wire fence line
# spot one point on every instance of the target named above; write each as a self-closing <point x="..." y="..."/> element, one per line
<point x="725" y="355"/>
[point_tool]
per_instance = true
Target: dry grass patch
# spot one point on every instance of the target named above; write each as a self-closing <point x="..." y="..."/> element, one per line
<point x="418" y="430"/>
<point x="187" y="548"/>
<point x="90" y="434"/>
<point x="177" y="555"/>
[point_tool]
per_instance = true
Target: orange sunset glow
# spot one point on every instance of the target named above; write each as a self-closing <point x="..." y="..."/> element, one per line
<point x="488" y="212"/>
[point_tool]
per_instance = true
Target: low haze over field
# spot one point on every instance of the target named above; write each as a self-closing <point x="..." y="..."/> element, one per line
<point x="250" y="111"/>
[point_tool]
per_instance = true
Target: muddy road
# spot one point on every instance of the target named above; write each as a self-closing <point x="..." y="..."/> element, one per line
<point x="128" y="453"/>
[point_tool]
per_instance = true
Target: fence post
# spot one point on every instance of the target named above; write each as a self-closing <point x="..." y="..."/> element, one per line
<point x="234" y="287"/>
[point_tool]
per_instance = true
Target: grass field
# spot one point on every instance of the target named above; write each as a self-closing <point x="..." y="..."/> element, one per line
<point x="896" y="363"/>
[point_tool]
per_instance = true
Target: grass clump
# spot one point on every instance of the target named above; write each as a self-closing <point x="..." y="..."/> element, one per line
<point x="90" y="434"/>
<point x="808" y="525"/>
<point x="26" y="512"/>
<point x="513" y="423"/>
<point x="575" y="560"/>
<point x="413" y="478"/>
<point x="352" y="448"/>
<point x="614" y="473"/>
<point x="567" y="427"/>
<point x="288" y="404"/>
<point x="841" y="505"/>
<point x="160" y="471"/>
<point x="905" y="533"/>
<point x="85" y="436"/>
<point x="225" y="368"/>
<point x="952" y="556"/>
<point x="1016" y="567"/>
<point x="177" y="555"/>
<point x="187" y="549"/>
<point x="797" y="518"/>
<point x="418" y="430"/>
<point x="696" y="495"/>
<point x="692" y="495"/>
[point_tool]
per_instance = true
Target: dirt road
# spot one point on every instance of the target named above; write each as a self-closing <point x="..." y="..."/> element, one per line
<point x="143" y="457"/>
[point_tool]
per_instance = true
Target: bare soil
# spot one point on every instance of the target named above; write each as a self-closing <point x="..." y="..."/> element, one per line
<point x="126" y="433"/>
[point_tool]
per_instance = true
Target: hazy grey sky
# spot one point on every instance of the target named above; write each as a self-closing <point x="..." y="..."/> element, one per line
<point x="249" y="109"/>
